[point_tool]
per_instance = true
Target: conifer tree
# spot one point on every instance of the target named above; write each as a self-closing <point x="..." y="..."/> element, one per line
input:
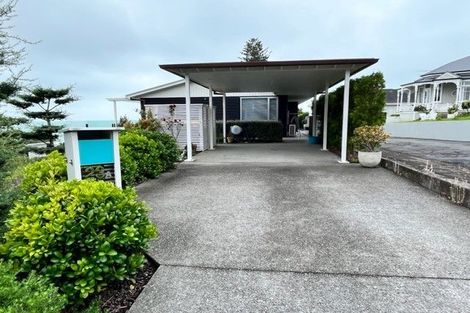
<point x="254" y="51"/>
<point x="47" y="105"/>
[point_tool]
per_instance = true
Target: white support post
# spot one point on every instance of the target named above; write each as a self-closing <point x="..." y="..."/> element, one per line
<point x="344" y="132"/>
<point x="189" y="146"/>
<point x="211" y="122"/>
<point x="398" y="100"/>
<point x="401" y="96"/>
<point x="115" y="113"/>
<point x="224" y="117"/>
<point x="314" y="114"/>
<point x="416" y="95"/>
<point x="325" y="119"/>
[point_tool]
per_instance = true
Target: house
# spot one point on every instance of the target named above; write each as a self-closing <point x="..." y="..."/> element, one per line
<point x="437" y="90"/>
<point x="390" y="101"/>
<point x="259" y="106"/>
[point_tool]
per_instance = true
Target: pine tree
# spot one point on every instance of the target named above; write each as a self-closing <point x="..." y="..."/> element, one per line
<point x="254" y="51"/>
<point x="44" y="104"/>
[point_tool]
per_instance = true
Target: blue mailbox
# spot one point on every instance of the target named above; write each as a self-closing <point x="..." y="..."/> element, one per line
<point x="93" y="153"/>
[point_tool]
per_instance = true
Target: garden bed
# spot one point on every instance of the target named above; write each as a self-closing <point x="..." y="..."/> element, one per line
<point x="118" y="297"/>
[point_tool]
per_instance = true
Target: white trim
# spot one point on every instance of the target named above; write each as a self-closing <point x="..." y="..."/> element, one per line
<point x="117" y="159"/>
<point x="156" y="88"/>
<point x="224" y="117"/>
<point x="211" y="124"/>
<point x="325" y="119"/>
<point x="268" y="107"/>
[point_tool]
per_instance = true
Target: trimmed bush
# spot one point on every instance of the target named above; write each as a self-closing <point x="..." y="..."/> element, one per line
<point x="81" y="235"/>
<point x="33" y="294"/>
<point x="171" y="154"/>
<point x="253" y="131"/>
<point x="49" y="169"/>
<point x="146" y="153"/>
<point x="128" y="168"/>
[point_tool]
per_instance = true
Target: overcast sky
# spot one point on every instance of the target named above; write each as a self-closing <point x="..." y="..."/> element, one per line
<point x="109" y="48"/>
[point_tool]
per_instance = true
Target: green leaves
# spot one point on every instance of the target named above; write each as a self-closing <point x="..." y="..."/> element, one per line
<point x="80" y="234"/>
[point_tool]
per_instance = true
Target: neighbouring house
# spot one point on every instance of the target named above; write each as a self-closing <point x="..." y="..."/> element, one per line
<point x="390" y="107"/>
<point x="437" y="90"/>
<point x="245" y="106"/>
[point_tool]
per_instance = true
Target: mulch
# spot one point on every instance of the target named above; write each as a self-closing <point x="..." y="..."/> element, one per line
<point x="118" y="297"/>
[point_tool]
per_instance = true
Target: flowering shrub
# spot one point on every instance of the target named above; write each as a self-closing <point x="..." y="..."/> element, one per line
<point x="466" y="105"/>
<point x="81" y="235"/>
<point x="369" y="138"/>
<point x="452" y="109"/>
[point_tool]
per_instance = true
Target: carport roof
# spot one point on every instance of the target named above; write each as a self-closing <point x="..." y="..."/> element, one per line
<point x="297" y="79"/>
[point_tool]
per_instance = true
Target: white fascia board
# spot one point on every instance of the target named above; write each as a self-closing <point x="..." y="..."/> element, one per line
<point x="156" y="88"/>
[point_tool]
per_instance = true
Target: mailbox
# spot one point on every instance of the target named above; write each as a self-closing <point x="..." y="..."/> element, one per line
<point x="93" y="153"/>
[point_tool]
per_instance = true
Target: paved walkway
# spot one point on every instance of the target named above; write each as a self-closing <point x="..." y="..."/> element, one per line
<point x="285" y="228"/>
<point x="450" y="159"/>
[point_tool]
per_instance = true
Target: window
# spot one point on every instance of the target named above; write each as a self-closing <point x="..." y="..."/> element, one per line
<point x="466" y="90"/>
<point x="259" y="109"/>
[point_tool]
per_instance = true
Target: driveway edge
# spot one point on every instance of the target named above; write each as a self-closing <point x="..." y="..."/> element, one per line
<point x="451" y="189"/>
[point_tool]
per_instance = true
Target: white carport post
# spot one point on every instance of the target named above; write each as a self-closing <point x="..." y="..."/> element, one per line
<point x="115" y="113"/>
<point x="325" y="119"/>
<point x="344" y="133"/>
<point x="224" y="117"/>
<point x="189" y="146"/>
<point x="211" y="120"/>
<point x="314" y="114"/>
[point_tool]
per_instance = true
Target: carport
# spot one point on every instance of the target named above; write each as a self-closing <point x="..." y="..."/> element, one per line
<point x="299" y="80"/>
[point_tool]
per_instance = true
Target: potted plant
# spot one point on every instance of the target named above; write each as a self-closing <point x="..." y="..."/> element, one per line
<point x="452" y="111"/>
<point x="368" y="140"/>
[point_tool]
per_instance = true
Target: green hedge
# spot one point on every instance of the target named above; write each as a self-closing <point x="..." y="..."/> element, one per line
<point x="253" y="131"/>
<point x="366" y="103"/>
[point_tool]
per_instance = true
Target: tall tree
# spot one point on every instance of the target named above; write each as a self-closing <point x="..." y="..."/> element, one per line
<point x="44" y="104"/>
<point x="254" y="51"/>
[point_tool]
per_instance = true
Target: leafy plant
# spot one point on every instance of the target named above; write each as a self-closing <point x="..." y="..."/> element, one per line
<point x="452" y="109"/>
<point x="466" y="105"/>
<point x="47" y="170"/>
<point x="421" y="109"/>
<point x="147" y="121"/>
<point x="146" y="153"/>
<point x="171" y="152"/>
<point x="82" y="235"/>
<point x="369" y="138"/>
<point x="128" y="167"/>
<point x="34" y="294"/>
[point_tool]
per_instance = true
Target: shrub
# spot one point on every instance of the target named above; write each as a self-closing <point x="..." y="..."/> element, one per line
<point x="366" y="104"/>
<point x="171" y="152"/>
<point x="466" y="105"/>
<point x="253" y="131"/>
<point x="47" y="170"/>
<point x="80" y="234"/>
<point x="33" y="294"/>
<point x="369" y="138"/>
<point x="421" y="109"/>
<point x="452" y="109"/>
<point x="145" y="152"/>
<point x="128" y="167"/>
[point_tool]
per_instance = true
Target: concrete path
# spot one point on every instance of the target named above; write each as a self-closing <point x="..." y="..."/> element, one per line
<point x="285" y="228"/>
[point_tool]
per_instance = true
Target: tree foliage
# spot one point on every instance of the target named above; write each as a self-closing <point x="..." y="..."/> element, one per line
<point x="45" y="104"/>
<point x="254" y="51"/>
<point x="366" y="103"/>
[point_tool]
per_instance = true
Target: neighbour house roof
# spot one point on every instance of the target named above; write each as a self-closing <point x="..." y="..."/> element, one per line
<point x="147" y="91"/>
<point x="460" y="65"/>
<point x="458" y="69"/>
<point x="297" y="79"/>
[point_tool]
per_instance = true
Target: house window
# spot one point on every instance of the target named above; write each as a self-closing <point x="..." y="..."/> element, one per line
<point x="466" y="90"/>
<point x="259" y="109"/>
<point x="437" y="95"/>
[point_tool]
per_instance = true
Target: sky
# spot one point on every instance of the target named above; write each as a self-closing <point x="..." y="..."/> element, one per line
<point x="110" y="48"/>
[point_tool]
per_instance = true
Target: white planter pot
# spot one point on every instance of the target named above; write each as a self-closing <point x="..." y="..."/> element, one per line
<point x="369" y="159"/>
<point x="451" y="115"/>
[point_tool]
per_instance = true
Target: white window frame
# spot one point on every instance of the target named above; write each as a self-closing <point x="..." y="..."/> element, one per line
<point x="268" y="108"/>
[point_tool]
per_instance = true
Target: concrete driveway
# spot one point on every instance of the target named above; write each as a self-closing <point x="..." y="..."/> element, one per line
<point x="285" y="228"/>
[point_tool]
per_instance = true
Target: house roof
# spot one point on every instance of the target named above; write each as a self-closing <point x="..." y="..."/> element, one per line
<point x="460" y="65"/>
<point x="297" y="79"/>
